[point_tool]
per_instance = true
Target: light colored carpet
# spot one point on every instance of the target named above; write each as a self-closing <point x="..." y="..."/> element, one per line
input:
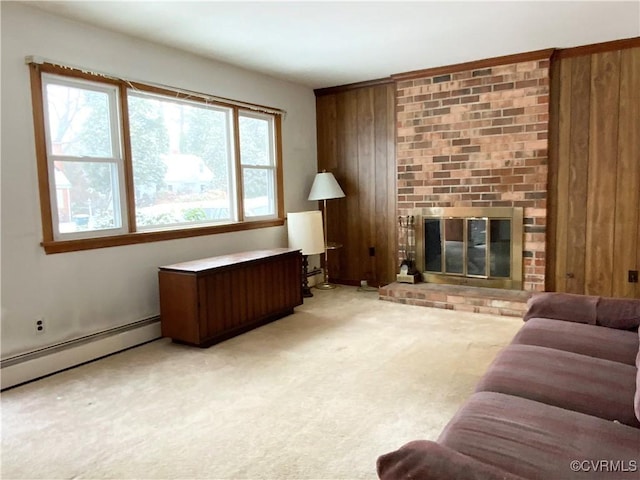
<point x="316" y="395"/>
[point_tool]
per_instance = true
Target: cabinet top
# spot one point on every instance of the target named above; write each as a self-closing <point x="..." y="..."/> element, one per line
<point x="195" y="266"/>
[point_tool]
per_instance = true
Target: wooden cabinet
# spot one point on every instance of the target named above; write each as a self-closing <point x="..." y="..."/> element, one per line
<point x="206" y="301"/>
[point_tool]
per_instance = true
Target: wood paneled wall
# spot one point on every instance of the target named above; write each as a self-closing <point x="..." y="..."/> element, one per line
<point x="356" y="142"/>
<point x="594" y="182"/>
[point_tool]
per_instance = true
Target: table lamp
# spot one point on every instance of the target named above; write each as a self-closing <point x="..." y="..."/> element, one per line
<point x="305" y="234"/>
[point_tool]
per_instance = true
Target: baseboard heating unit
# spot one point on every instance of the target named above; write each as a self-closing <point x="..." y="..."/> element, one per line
<point x="45" y="361"/>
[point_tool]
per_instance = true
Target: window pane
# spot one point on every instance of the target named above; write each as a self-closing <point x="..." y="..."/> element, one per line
<point x="79" y="122"/>
<point x="500" y="248"/>
<point x="87" y="196"/>
<point x="181" y="162"/>
<point x="453" y="245"/>
<point x="255" y="141"/>
<point x="477" y="246"/>
<point x="259" y="198"/>
<point x="432" y="245"/>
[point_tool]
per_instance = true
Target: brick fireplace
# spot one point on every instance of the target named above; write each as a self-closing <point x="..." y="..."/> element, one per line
<point x="478" y="138"/>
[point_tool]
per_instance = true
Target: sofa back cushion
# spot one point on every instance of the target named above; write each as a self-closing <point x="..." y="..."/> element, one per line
<point x="620" y="313"/>
<point x="636" y="400"/>
<point x="623" y="313"/>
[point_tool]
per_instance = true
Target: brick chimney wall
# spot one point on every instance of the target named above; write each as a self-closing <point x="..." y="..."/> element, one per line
<point x="478" y="138"/>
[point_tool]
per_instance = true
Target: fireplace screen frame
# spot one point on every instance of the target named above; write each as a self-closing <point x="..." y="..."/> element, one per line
<point x="514" y="214"/>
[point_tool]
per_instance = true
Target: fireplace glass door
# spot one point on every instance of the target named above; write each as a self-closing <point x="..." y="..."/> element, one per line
<point x="453" y="245"/>
<point x="470" y="247"/>
<point x="475" y="246"/>
<point x="500" y="248"/>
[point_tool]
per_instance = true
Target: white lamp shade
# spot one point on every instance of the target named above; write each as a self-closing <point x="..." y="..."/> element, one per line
<point x="325" y="186"/>
<point x="305" y="232"/>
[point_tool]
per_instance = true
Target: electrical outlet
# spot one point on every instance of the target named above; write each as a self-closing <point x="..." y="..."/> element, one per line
<point x="39" y="325"/>
<point x="633" y="276"/>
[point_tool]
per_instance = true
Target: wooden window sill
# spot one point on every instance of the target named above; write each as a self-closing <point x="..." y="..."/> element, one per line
<point x="63" y="246"/>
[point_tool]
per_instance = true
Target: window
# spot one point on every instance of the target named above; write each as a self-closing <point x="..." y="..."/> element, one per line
<point x="257" y="148"/>
<point x="182" y="155"/>
<point x="84" y="157"/>
<point x="121" y="162"/>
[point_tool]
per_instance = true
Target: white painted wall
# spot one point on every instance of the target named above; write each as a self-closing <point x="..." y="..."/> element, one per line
<point x="81" y="293"/>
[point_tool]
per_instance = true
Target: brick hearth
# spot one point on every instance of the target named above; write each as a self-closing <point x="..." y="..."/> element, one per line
<point x="458" y="297"/>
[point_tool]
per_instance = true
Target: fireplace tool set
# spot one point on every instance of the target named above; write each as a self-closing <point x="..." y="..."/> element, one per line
<point x="408" y="272"/>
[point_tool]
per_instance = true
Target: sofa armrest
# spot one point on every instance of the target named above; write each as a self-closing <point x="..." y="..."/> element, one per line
<point x="620" y="313"/>
<point x="563" y="306"/>
<point x="426" y="460"/>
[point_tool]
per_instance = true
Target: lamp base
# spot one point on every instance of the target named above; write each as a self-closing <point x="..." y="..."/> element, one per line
<point x="306" y="291"/>
<point x="325" y="286"/>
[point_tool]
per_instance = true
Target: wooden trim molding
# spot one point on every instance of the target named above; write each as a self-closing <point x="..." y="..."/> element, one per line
<point x="352" y="86"/>
<point x="41" y="152"/>
<point x="488" y="62"/>
<point x="597" y="48"/>
<point x="128" y="162"/>
<point x="91" y="75"/>
<point x="476" y="64"/>
<point x="64" y="246"/>
<point x="279" y="167"/>
<point x="237" y="162"/>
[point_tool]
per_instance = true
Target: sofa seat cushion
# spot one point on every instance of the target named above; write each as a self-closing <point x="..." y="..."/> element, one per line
<point x="538" y="441"/>
<point x="600" y="342"/>
<point x="567" y="380"/>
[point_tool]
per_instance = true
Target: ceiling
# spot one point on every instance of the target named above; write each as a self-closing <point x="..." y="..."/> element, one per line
<point x="322" y="44"/>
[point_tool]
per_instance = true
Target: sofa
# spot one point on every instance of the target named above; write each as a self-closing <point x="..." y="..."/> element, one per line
<point x="561" y="401"/>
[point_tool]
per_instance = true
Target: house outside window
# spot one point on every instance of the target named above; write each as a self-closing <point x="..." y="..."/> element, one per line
<point x="130" y="163"/>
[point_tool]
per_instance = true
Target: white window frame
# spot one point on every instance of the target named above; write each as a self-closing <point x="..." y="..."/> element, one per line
<point x="120" y="213"/>
<point x="272" y="166"/>
<point x="231" y="170"/>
